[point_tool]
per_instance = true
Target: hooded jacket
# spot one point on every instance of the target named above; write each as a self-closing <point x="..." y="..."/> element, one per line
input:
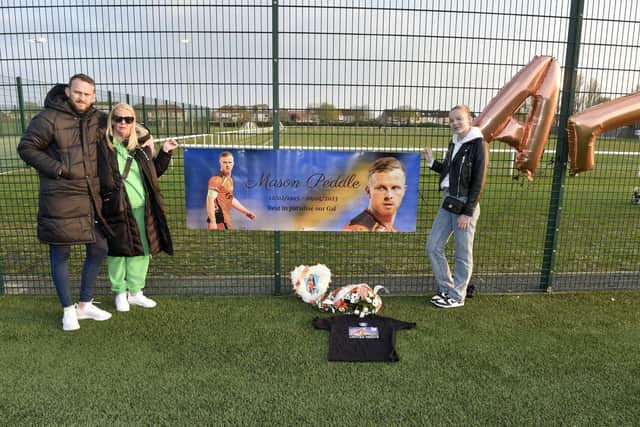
<point x="117" y="211"/>
<point x="60" y="144"/>
<point x="467" y="170"/>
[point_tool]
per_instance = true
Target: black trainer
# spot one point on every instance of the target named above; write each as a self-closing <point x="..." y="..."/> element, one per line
<point x="471" y="291"/>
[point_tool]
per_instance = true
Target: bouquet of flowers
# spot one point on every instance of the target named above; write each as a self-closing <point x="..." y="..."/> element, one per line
<point x="311" y="283"/>
<point x="358" y="299"/>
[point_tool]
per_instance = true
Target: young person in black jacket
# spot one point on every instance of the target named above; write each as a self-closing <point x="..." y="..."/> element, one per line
<point x="462" y="176"/>
<point x="132" y="204"/>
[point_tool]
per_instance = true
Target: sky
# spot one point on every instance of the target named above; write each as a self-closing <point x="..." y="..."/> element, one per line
<point x="378" y="54"/>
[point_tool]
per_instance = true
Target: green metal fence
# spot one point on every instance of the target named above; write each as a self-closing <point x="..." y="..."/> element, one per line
<point x="367" y="74"/>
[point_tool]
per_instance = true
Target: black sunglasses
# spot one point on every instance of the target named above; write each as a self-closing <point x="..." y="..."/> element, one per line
<point x="119" y="119"/>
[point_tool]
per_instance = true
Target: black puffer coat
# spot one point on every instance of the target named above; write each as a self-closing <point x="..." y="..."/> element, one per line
<point x="117" y="210"/>
<point x="60" y="144"/>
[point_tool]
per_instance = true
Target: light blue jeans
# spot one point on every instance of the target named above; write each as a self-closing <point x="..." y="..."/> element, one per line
<point x="444" y="225"/>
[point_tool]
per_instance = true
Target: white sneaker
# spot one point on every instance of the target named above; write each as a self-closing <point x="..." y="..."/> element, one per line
<point x="439" y="297"/>
<point x="449" y="303"/>
<point x="122" y="304"/>
<point x="142" y="301"/>
<point x="70" y="319"/>
<point x="92" y="312"/>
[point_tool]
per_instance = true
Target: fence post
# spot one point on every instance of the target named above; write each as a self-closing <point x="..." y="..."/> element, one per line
<point x="191" y="119"/>
<point x="156" y="115"/>
<point x="23" y="124"/>
<point x="1" y="280"/>
<point x="144" y="112"/>
<point x="166" y="116"/>
<point x="184" y="120"/>
<point x="560" y="164"/>
<point x="277" y="261"/>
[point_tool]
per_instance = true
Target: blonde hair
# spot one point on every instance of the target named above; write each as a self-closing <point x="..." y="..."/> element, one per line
<point x="132" y="141"/>
<point x="462" y="107"/>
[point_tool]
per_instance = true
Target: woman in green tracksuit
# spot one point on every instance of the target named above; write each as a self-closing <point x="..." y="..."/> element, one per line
<point x="132" y="204"/>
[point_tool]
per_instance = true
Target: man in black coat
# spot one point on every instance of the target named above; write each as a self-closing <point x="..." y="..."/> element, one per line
<point x="60" y="143"/>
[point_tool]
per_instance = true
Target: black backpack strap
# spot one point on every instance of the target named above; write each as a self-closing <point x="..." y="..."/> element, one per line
<point x="127" y="167"/>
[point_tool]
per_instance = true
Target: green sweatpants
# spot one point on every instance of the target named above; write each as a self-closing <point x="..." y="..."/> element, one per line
<point x="130" y="273"/>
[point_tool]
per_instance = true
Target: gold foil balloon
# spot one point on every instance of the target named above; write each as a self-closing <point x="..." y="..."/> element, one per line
<point x="540" y="80"/>
<point x="585" y="126"/>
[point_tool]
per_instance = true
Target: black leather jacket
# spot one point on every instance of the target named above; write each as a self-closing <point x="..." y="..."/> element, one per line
<point x="467" y="171"/>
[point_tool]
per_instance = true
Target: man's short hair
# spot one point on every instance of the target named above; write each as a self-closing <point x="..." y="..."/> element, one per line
<point x="386" y="164"/>
<point x="85" y="78"/>
<point x="225" y="154"/>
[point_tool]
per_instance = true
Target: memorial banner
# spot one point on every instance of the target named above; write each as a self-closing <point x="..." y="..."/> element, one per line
<point x="297" y="190"/>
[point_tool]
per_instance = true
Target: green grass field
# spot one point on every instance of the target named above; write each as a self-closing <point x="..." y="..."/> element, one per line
<point x="525" y="360"/>
<point x="598" y="232"/>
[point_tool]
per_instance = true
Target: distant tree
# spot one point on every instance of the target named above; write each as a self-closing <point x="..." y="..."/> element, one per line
<point x="588" y="94"/>
<point x="327" y="113"/>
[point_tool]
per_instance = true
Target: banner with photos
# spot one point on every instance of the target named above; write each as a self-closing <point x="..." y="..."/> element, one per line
<point x="296" y="190"/>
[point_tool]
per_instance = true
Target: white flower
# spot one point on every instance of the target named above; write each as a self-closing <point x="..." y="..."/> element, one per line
<point x="356" y="311"/>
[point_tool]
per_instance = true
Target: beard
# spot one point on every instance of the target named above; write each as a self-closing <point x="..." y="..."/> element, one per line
<point x="80" y="108"/>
